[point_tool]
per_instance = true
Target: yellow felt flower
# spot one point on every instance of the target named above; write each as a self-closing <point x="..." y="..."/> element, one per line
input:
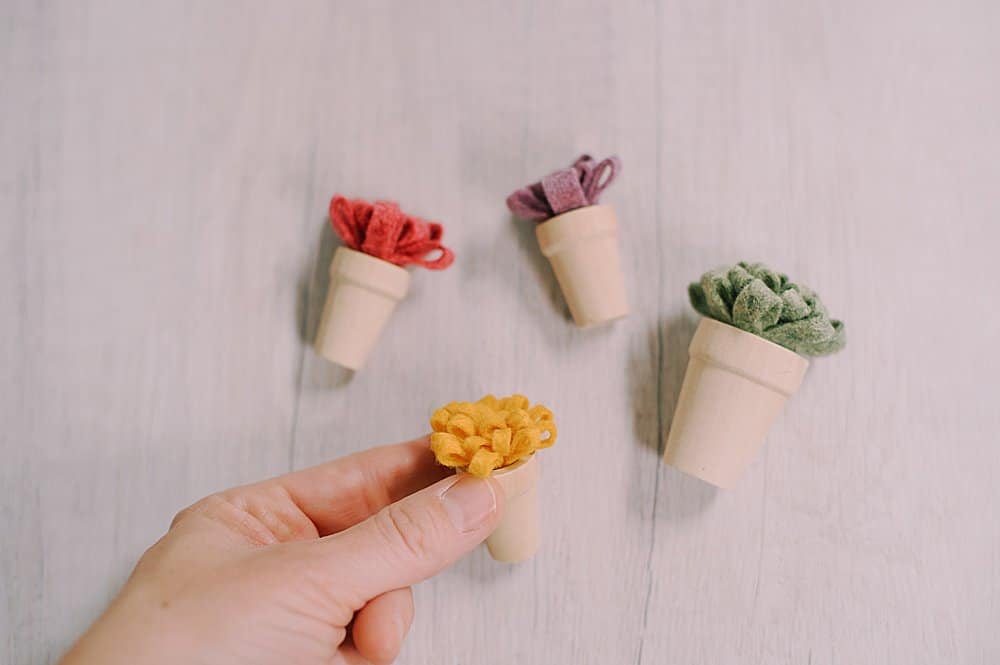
<point x="491" y="433"/>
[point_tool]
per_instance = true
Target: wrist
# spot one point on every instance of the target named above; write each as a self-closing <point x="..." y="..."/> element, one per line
<point x="136" y="628"/>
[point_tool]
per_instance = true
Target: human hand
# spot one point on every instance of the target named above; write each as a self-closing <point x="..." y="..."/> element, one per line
<point x="311" y="567"/>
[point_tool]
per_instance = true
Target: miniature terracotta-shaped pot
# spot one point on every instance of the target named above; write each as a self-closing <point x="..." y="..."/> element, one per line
<point x="363" y="293"/>
<point x="519" y="534"/>
<point x="735" y="386"/>
<point x="582" y="246"/>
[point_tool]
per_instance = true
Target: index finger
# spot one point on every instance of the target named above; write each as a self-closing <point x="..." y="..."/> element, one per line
<point x="339" y="494"/>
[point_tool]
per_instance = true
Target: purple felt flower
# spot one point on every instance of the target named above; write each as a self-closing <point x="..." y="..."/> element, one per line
<point x="564" y="190"/>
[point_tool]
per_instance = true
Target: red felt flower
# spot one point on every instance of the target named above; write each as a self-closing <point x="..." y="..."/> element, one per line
<point x="384" y="231"/>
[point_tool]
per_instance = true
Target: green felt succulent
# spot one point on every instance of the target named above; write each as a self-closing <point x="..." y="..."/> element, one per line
<point x="754" y="298"/>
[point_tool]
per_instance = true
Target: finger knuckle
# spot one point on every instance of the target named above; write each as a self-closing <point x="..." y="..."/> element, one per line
<point x="404" y="530"/>
<point x="200" y="507"/>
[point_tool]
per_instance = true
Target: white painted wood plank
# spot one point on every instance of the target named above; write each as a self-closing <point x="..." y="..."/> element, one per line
<point x="154" y="175"/>
<point x="495" y="321"/>
<point x="164" y="175"/>
<point x="845" y="143"/>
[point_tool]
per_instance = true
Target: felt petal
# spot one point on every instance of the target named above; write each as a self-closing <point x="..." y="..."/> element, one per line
<point x="462" y="425"/>
<point x="525" y="204"/>
<point x="718" y="295"/>
<point x="815" y="304"/>
<point x="439" y="420"/>
<point x="471" y="445"/>
<point x="539" y="412"/>
<point x="839" y="338"/>
<point x="502" y="441"/>
<point x="518" y="418"/>
<point x="739" y="278"/>
<point x="442" y="261"/>
<point x="584" y="163"/>
<point x="448" y="449"/>
<point x="489" y="401"/>
<point x="597" y="177"/>
<point x="813" y="336"/>
<point x="516" y="401"/>
<point x="490" y="420"/>
<point x="463" y="407"/>
<point x="696" y="294"/>
<point x="525" y="441"/>
<point x="483" y="463"/>
<point x="563" y="191"/>
<point x="342" y="220"/>
<point x="383" y="230"/>
<point x="757" y="308"/>
<point x="547" y="428"/>
<point x="794" y="306"/>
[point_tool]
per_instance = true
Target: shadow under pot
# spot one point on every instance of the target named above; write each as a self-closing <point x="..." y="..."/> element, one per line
<point x="582" y="247"/>
<point x="362" y="295"/>
<point x="735" y="386"/>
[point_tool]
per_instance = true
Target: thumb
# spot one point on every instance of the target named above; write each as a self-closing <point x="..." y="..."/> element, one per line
<point x="413" y="539"/>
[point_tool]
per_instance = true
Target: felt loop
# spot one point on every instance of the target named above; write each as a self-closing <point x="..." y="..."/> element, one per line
<point x="382" y="230"/>
<point x="563" y="191"/>
<point x="567" y="189"/>
<point x="754" y="298"/>
<point x="597" y="177"/>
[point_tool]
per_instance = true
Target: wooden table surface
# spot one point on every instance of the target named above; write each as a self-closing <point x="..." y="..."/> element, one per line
<point x="165" y="171"/>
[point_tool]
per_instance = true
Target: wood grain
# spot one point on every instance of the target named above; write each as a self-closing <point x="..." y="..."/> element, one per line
<point x="164" y="175"/>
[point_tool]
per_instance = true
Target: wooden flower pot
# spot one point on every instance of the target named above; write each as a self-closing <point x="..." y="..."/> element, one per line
<point x="582" y="246"/>
<point x="519" y="534"/>
<point x="735" y="386"/>
<point x="363" y="293"/>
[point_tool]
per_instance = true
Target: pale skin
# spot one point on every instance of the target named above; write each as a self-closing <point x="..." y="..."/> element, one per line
<point x="314" y="567"/>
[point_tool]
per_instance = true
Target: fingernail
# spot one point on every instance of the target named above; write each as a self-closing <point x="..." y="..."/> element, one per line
<point x="469" y="502"/>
